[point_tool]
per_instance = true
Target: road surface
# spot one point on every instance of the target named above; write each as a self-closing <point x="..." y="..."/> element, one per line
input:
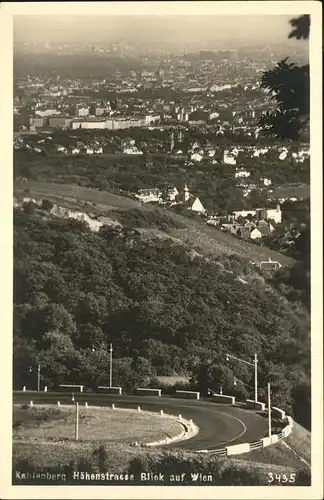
<point x="219" y="425"/>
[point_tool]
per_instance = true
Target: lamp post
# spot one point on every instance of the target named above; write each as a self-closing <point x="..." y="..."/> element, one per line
<point x="76" y="433"/>
<point x="110" y="363"/>
<point x="255" y="365"/>
<point x="269" y="409"/>
<point x="38" y="375"/>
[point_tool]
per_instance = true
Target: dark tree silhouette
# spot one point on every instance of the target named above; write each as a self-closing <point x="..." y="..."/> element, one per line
<point x="289" y="85"/>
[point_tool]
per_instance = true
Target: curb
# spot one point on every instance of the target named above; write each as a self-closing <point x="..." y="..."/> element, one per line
<point x="190" y="430"/>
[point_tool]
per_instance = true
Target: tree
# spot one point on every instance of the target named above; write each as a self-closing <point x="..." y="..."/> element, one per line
<point x="46" y="204"/>
<point x="301" y="397"/>
<point x="289" y="85"/>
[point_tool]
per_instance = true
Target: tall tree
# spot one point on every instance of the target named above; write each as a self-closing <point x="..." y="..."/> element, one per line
<point x="289" y="85"/>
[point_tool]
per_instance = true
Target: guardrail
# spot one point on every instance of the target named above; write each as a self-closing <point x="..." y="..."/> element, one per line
<point x="148" y="392"/>
<point x="256" y="444"/>
<point x="237" y="449"/>
<point x="220" y="398"/>
<point x="257" y="405"/>
<point x="188" y="394"/>
<point x="71" y="387"/>
<point x="109" y="390"/>
<point x="277" y="412"/>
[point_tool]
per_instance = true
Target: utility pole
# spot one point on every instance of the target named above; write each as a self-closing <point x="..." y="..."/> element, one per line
<point x="76" y="421"/>
<point x="269" y="408"/>
<point x="110" y="365"/>
<point x="38" y="376"/>
<point x="255" y="378"/>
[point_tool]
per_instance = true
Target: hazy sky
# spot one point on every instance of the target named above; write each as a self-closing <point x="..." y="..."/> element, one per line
<point x="202" y="29"/>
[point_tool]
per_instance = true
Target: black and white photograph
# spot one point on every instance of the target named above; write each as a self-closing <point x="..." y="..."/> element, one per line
<point x="164" y="330"/>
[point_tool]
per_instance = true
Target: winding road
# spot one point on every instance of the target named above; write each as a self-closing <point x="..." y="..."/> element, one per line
<point x="219" y="425"/>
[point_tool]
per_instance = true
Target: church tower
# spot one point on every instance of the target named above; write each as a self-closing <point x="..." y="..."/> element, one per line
<point x="180" y="136"/>
<point x="186" y="193"/>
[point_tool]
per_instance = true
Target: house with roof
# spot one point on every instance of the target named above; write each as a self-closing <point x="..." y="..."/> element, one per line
<point x="197" y="206"/>
<point x="171" y="193"/>
<point x="197" y="157"/>
<point x="263" y="228"/>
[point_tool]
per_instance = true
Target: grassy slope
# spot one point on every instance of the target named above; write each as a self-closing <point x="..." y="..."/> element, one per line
<point x="278" y="454"/>
<point x="208" y="241"/>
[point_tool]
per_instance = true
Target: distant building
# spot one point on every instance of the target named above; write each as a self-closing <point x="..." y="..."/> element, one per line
<point x="241" y="172"/>
<point x="94" y="123"/>
<point x="149" y="195"/>
<point x="82" y="111"/>
<point x="268" y="213"/>
<point x="229" y="158"/>
<point x="59" y="121"/>
<point x="47" y="112"/>
<point x="172" y="193"/>
<point x="266" y="182"/>
<point x="186" y="193"/>
<point x="196" y="157"/>
<point x="38" y="121"/>
<point x="132" y="150"/>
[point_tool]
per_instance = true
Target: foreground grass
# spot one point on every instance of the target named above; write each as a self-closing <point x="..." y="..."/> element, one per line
<point x="95" y="424"/>
<point x="67" y="457"/>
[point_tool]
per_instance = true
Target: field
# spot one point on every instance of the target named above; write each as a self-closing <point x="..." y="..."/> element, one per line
<point x="291" y="191"/>
<point x="43" y="424"/>
<point x="76" y="195"/>
<point x="192" y="231"/>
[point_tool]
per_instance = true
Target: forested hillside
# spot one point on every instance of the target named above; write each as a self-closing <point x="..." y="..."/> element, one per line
<point x="166" y="309"/>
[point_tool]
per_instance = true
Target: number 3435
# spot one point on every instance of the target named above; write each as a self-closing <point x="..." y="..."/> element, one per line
<point x="281" y="478"/>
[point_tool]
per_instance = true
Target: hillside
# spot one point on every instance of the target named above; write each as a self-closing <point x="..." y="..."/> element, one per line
<point x="167" y="310"/>
<point x="191" y="230"/>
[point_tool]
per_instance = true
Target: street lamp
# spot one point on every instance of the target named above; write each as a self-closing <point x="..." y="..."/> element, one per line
<point x="255" y="365"/>
<point x="38" y="375"/>
<point x="110" y="363"/>
<point x="269" y="409"/>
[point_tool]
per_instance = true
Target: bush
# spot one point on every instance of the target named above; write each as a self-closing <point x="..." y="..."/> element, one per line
<point x="46" y="205"/>
<point x="29" y="207"/>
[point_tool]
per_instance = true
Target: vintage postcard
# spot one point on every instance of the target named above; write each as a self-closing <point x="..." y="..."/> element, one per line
<point x="161" y="206"/>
